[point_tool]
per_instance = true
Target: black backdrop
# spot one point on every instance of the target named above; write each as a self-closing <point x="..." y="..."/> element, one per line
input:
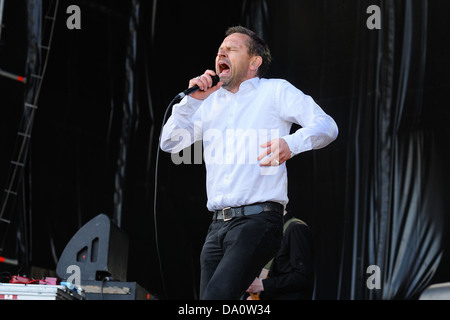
<point x="376" y="196"/>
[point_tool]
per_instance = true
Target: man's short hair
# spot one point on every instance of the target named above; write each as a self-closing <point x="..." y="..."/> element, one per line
<point x="256" y="47"/>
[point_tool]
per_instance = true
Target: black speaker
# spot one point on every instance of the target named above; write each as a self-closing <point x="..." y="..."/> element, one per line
<point x="99" y="249"/>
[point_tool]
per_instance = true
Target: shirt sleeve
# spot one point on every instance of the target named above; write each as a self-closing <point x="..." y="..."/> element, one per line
<point x="318" y="129"/>
<point x="183" y="126"/>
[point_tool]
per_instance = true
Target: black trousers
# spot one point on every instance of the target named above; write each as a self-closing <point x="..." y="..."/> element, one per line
<point x="235" y="251"/>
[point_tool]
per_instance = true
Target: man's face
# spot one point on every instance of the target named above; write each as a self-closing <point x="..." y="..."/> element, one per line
<point x="233" y="61"/>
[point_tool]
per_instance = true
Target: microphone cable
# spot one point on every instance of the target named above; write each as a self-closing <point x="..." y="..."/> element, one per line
<point x="181" y="95"/>
<point x="155" y="194"/>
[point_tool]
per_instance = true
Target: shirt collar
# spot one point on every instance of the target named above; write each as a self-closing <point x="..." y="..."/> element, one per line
<point x="254" y="82"/>
<point x="246" y="85"/>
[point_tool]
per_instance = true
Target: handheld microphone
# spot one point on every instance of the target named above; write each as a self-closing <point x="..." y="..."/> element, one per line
<point x="181" y="95"/>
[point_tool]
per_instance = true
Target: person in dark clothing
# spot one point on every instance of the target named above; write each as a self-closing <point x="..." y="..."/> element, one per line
<point x="291" y="272"/>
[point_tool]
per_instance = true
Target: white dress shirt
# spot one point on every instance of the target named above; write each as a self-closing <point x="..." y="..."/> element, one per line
<point x="233" y="126"/>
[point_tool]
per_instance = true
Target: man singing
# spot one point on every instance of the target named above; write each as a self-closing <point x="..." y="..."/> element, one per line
<point x="244" y="121"/>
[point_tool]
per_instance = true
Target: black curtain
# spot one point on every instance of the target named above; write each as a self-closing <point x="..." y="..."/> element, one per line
<point x="396" y="205"/>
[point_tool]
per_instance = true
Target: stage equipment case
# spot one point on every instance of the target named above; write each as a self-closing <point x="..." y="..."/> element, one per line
<point x="18" y="291"/>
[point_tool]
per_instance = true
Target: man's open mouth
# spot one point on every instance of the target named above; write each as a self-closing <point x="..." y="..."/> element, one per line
<point x="224" y="68"/>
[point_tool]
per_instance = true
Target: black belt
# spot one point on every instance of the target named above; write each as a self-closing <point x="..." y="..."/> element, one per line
<point x="228" y="213"/>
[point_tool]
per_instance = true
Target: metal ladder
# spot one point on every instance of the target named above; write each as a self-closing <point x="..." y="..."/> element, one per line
<point x="18" y="163"/>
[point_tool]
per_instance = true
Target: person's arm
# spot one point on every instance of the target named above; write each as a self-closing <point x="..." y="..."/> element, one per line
<point x="318" y="129"/>
<point x="184" y="125"/>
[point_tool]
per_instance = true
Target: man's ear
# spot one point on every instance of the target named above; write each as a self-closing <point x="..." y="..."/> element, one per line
<point x="255" y="63"/>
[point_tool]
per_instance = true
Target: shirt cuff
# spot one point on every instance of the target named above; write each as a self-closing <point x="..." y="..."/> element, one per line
<point x="296" y="143"/>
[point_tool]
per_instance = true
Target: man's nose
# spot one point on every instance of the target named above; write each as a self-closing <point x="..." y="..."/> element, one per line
<point x="221" y="54"/>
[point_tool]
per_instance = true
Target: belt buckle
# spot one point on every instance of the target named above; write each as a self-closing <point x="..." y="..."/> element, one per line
<point x="227" y="214"/>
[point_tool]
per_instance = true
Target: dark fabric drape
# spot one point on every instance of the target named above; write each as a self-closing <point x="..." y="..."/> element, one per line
<point x="130" y="114"/>
<point x="396" y="204"/>
<point x="255" y="15"/>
